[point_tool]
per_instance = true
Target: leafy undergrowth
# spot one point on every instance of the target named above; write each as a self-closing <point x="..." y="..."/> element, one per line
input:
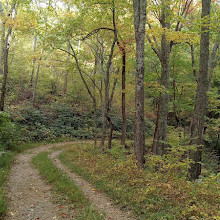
<point x="66" y="189"/>
<point x="6" y="159"/>
<point x="149" y="194"/>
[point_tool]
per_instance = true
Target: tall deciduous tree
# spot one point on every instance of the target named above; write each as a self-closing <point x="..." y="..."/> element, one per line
<point x="5" y="51"/>
<point x="165" y="9"/>
<point x="197" y="124"/>
<point x="139" y="7"/>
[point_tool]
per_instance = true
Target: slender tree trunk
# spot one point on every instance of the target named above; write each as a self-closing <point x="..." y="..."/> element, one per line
<point x="123" y="107"/>
<point x="197" y="124"/>
<point x="5" y="65"/>
<point x="5" y="69"/>
<point x="122" y="48"/>
<point x="154" y="145"/>
<point x="164" y="97"/>
<point x="5" y="72"/>
<point x="95" y="122"/>
<point x="66" y="74"/>
<point x="2" y="47"/>
<point x="95" y="104"/>
<point x="159" y="144"/>
<point x="213" y="61"/>
<point x="110" y="134"/>
<point x="65" y="83"/>
<point x="106" y="101"/>
<point x="93" y="97"/>
<point x="139" y="7"/>
<point x="35" y="84"/>
<point x="193" y="62"/>
<point x="105" y="113"/>
<point x="33" y="61"/>
<point x="2" y="40"/>
<point x="110" y="137"/>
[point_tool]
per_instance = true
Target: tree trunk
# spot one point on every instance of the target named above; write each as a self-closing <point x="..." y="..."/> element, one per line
<point x="66" y="74"/>
<point x="123" y="107"/>
<point x="193" y="62"/>
<point x="33" y="61"/>
<point x="2" y="47"/>
<point x="65" y="83"/>
<point x="159" y="144"/>
<point x="5" y="69"/>
<point x="5" y="74"/>
<point x="95" y="122"/>
<point x="213" y="61"/>
<point x="197" y="124"/>
<point x="35" y="84"/>
<point x="2" y="40"/>
<point x="110" y="134"/>
<point x="106" y="101"/>
<point x="122" y="48"/>
<point x="139" y="7"/>
<point x="5" y="61"/>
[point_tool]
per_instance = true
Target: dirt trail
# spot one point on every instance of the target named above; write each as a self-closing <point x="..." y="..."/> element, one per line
<point x="30" y="198"/>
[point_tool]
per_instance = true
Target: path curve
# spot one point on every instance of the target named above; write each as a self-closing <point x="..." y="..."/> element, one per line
<point x="100" y="201"/>
<point x="29" y="196"/>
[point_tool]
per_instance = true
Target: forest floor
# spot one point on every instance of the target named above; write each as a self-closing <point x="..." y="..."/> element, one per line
<point x="30" y="197"/>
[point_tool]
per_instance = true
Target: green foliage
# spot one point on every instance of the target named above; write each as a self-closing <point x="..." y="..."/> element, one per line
<point x="117" y="151"/>
<point x="9" y="134"/>
<point x="149" y="194"/>
<point x="53" y="122"/>
<point x="66" y="188"/>
<point x="175" y="162"/>
<point x="6" y="159"/>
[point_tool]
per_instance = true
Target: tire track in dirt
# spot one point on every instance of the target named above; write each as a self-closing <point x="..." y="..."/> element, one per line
<point x="29" y="197"/>
<point x="99" y="200"/>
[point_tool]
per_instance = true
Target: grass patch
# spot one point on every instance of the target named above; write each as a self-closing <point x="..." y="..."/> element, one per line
<point x="66" y="188"/>
<point x="149" y="194"/>
<point x="6" y="159"/>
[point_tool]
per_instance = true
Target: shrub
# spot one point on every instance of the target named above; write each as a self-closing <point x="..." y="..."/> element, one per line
<point x="9" y="134"/>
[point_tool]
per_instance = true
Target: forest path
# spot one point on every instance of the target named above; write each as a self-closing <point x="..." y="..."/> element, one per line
<point x="100" y="201"/>
<point x="30" y="198"/>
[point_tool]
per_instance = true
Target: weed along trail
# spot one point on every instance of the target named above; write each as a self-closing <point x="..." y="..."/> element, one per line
<point x="100" y="201"/>
<point x="30" y="197"/>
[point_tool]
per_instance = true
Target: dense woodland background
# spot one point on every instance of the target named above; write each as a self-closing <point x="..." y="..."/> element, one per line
<point x="69" y="70"/>
<point x="140" y="80"/>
